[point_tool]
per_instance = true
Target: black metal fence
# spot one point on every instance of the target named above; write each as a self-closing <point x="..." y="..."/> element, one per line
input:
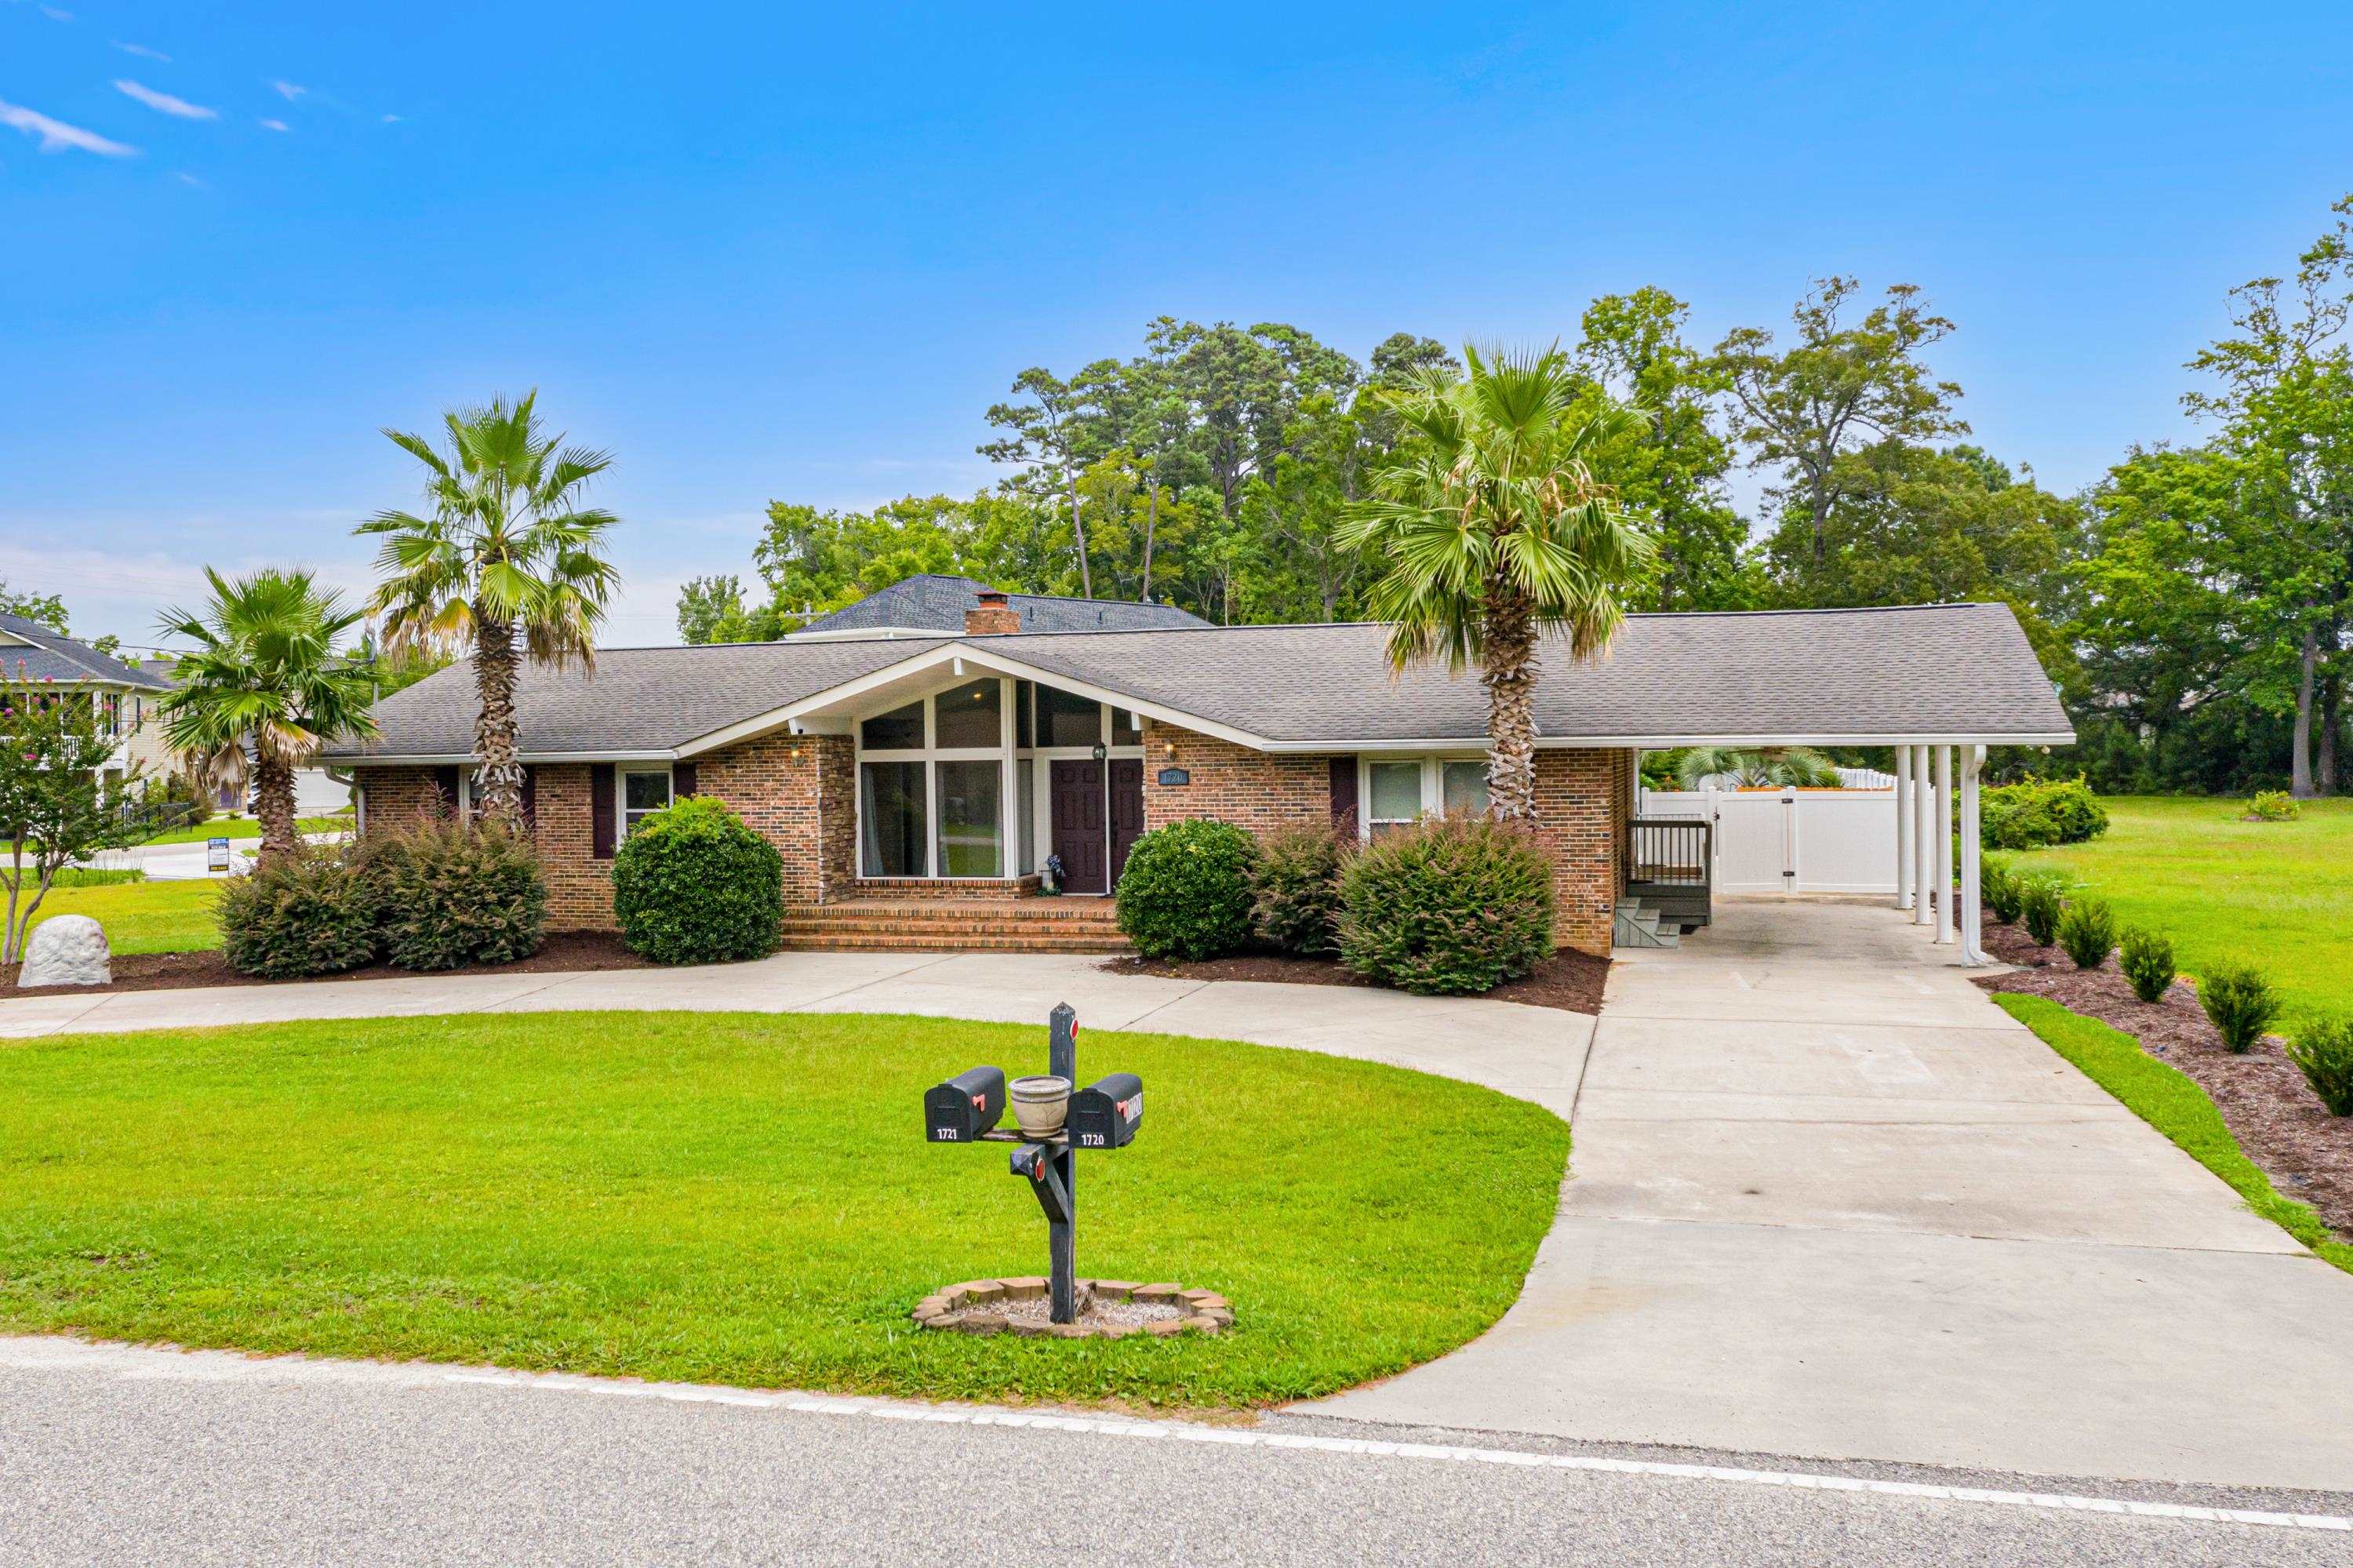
<point x="1676" y="850"/>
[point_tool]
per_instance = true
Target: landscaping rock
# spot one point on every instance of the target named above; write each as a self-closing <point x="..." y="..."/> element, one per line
<point x="66" y="950"/>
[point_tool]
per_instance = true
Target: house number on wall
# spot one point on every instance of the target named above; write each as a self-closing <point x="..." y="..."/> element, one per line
<point x="1175" y="778"/>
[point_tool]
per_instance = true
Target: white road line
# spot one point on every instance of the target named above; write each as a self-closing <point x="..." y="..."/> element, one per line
<point x="1185" y="1431"/>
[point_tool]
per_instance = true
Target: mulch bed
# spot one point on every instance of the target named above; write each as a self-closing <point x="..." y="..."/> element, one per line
<point x="2264" y="1101"/>
<point x="1569" y="981"/>
<point x="173" y="971"/>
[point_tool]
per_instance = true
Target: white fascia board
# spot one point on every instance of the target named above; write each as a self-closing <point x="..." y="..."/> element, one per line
<point x="1665" y="742"/>
<point x="970" y="653"/>
<point x="444" y="758"/>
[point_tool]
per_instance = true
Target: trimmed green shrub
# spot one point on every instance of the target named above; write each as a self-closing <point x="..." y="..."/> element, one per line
<point x="2146" y="960"/>
<point x="2004" y="894"/>
<point x="2241" y="1003"/>
<point x="694" y="885"/>
<point x="1454" y="904"/>
<point x="2324" y="1049"/>
<point x="453" y="894"/>
<point x="2039" y="906"/>
<point x="2274" y="806"/>
<point x="1296" y="891"/>
<point x="309" y="913"/>
<point x="2087" y="929"/>
<point x="2038" y="812"/>
<point x="1186" y="893"/>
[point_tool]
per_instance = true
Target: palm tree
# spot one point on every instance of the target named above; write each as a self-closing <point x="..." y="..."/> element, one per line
<point x="506" y="556"/>
<point x="1495" y="532"/>
<point x="264" y="690"/>
<point x="1798" y="765"/>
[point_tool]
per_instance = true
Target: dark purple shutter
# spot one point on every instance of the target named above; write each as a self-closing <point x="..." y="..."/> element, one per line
<point x="601" y="811"/>
<point x="681" y="780"/>
<point x="529" y="797"/>
<point x="1343" y="797"/>
<point x="445" y="780"/>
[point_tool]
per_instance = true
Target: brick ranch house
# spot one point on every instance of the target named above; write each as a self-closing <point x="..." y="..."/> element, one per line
<point x="940" y="740"/>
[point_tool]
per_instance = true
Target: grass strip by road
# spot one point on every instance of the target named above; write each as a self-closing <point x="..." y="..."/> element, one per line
<point x="248" y="828"/>
<point x="2172" y="1102"/>
<point x="746" y="1199"/>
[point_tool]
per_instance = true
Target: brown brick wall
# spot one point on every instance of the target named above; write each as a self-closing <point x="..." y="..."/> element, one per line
<point x="1252" y="790"/>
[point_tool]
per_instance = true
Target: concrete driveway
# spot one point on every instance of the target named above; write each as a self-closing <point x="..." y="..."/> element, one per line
<point x="1827" y="1200"/>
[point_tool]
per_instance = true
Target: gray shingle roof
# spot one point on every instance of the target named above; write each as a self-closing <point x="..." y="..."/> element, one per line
<point x="51" y="657"/>
<point x="934" y="601"/>
<point x="1844" y="676"/>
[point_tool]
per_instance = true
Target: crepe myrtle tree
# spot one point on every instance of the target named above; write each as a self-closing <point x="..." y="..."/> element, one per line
<point x="265" y="689"/>
<point x="60" y="800"/>
<point x="504" y="562"/>
<point x="1493" y="531"/>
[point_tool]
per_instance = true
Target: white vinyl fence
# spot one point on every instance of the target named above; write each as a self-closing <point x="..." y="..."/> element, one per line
<point x="1792" y="841"/>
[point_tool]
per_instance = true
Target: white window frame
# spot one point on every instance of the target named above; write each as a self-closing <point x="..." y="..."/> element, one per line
<point x="621" y="771"/>
<point x="1433" y="784"/>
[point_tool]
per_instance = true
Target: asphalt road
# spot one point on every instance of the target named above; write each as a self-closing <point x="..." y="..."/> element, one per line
<point x="112" y="1456"/>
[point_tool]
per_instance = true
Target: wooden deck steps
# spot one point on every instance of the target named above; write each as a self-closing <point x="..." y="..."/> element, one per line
<point x="957" y="925"/>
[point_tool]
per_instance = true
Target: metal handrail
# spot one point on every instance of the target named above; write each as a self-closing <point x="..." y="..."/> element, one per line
<point x="1676" y="851"/>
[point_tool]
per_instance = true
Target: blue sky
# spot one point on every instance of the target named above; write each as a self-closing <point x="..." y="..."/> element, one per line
<point x="763" y="251"/>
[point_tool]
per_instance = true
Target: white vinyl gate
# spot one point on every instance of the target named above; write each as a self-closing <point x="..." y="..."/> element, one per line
<point x="1792" y="841"/>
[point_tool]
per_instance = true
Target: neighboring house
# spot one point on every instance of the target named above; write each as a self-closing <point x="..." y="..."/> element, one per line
<point x="951" y="764"/>
<point x="125" y="693"/>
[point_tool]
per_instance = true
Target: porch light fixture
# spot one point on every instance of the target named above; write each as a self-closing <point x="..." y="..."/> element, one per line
<point x="1102" y="751"/>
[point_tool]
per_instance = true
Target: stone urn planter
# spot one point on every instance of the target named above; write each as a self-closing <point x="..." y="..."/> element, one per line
<point x="1040" y="1105"/>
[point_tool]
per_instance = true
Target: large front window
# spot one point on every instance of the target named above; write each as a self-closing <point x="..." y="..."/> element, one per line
<point x="891" y="812"/>
<point x="931" y="785"/>
<point x="972" y="818"/>
<point x="1400" y="791"/>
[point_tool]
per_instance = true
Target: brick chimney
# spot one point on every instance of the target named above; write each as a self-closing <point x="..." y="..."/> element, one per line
<point x="994" y="616"/>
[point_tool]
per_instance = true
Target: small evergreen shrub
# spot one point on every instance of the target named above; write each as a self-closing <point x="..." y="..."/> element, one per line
<point x="2324" y="1049"/>
<point x="453" y="894"/>
<point x="695" y="886"/>
<point x="2038" y="812"/>
<point x="309" y="913"/>
<point x="2241" y="1003"/>
<point x="2146" y="960"/>
<point x="2274" y="806"/>
<point x="1186" y="893"/>
<point x="1453" y="905"/>
<point x="1296" y="891"/>
<point x="2039" y="906"/>
<point x="2087" y="929"/>
<point x="2004" y="894"/>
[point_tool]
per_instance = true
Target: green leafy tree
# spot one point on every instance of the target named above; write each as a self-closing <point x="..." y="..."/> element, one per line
<point x="1053" y="441"/>
<point x="265" y="689"/>
<point x="59" y="801"/>
<point x="46" y="608"/>
<point x="1840" y="385"/>
<point x="1493" y="529"/>
<point x="505" y="561"/>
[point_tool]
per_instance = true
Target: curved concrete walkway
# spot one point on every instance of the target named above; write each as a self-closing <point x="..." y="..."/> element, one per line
<point x="1828" y="1202"/>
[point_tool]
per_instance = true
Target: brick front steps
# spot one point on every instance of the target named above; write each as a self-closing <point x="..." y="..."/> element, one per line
<point x="931" y="925"/>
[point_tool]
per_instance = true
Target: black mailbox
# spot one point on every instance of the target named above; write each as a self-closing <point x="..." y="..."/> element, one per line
<point x="965" y="1107"/>
<point x="1106" y="1113"/>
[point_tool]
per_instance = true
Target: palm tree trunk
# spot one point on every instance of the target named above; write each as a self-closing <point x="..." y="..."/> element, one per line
<point x="273" y="803"/>
<point x="498" y="773"/>
<point x="1509" y="661"/>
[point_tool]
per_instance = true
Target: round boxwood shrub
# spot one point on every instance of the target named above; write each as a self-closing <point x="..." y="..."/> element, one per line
<point x="1454" y="904"/>
<point x="2147" y="959"/>
<point x="1186" y="893"/>
<point x="694" y="885"/>
<point x="308" y="912"/>
<point x="454" y="893"/>
<point x="2240" y="999"/>
<point x="1295" y="893"/>
<point x="2087" y="931"/>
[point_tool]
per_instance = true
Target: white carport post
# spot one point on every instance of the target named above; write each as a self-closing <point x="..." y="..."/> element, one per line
<point x="1903" y="827"/>
<point x="1920" y="872"/>
<point x="1972" y="763"/>
<point x="1944" y="844"/>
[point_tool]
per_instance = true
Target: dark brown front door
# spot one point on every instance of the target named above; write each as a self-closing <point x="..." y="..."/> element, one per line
<point x="1076" y="790"/>
<point x="1126" y="810"/>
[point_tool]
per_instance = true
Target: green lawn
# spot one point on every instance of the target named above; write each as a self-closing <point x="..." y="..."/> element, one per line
<point x="2173" y="1103"/>
<point x="248" y="828"/>
<point x="143" y="917"/>
<point x="2275" y="895"/>
<point x="745" y="1198"/>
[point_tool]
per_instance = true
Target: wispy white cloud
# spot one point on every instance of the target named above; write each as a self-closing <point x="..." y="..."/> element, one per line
<point x="142" y="51"/>
<point x="287" y="90"/>
<point x="163" y="102"/>
<point x="54" y="14"/>
<point x="392" y="119"/>
<point x="276" y="126"/>
<point x="190" y="180"/>
<point x="57" y="137"/>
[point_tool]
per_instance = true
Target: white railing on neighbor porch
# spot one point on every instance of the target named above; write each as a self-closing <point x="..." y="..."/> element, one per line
<point x="1791" y="840"/>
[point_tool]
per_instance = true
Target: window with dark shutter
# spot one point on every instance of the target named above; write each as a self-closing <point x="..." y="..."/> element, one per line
<point x="1343" y="797"/>
<point x="603" y="812"/>
<point x="445" y="783"/>
<point x="681" y="780"/>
